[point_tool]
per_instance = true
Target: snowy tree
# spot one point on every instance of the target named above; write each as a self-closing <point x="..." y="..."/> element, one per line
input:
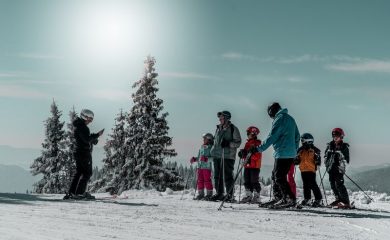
<point x="69" y="165"/>
<point x="147" y="139"/>
<point x="113" y="178"/>
<point x="53" y="156"/>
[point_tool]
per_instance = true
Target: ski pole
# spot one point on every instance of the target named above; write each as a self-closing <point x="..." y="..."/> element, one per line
<point x="322" y="183"/>
<point x="359" y="187"/>
<point x="239" y="194"/>
<point x="234" y="181"/>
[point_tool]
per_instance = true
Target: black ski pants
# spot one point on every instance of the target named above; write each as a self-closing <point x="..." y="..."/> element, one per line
<point x="280" y="171"/>
<point x="83" y="173"/>
<point x="218" y="175"/>
<point x="310" y="184"/>
<point x="251" y="179"/>
<point x="336" y="180"/>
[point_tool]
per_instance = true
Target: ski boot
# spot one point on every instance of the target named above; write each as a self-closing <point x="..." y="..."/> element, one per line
<point x="317" y="203"/>
<point x="284" y="203"/>
<point x="217" y="197"/>
<point x="209" y="195"/>
<point x="200" y="195"/>
<point x="230" y="198"/>
<point x="87" y="196"/>
<point x="247" y="198"/>
<point x="271" y="202"/>
<point x="256" y="198"/>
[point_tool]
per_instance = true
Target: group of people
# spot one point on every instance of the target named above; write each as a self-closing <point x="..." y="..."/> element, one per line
<point x="218" y="153"/>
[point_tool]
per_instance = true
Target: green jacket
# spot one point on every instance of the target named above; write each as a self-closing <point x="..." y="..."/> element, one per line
<point x="231" y="134"/>
<point x="204" y="158"/>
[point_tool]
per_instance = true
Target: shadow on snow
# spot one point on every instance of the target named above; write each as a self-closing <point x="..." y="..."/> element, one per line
<point x="20" y="198"/>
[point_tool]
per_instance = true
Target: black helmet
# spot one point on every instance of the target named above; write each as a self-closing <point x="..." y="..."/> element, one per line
<point x="307" y="138"/>
<point x="209" y="136"/>
<point x="226" y="114"/>
<point x="273" y="109"/>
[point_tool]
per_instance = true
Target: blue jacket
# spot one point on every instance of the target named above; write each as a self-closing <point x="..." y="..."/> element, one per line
<point x="284" y="136"/>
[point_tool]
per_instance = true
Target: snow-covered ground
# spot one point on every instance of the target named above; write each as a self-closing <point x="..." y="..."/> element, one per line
<point x="169" y="215"/>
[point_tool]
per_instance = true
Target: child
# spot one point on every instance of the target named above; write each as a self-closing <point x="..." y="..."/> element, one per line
<point x="309" y="158"/>
<point x="204" y="168"/>
<point x="336" y="155"/>
<point x="251" y="168"/>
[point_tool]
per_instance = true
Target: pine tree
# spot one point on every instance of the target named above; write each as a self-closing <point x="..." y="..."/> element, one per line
<point x="147" y="139"/>
<point x="69" y="165"/>
<point x="113" y="177"/>
<point x="50" y="163"/>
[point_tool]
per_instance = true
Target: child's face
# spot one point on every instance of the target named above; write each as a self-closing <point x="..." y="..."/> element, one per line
<point x="251" y="136"/>
<point x="205" y="141"/>
<point x="336" y="138"/>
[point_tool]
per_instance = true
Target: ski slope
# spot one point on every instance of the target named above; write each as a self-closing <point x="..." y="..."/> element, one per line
<point x="152" y="215"/>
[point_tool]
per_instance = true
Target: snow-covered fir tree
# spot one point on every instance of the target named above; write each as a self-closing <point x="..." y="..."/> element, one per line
<point x="53" y="156"/>
<point x="69" y="165"/>
<point x="113" y="178"/>
<point x="147" y="140"/>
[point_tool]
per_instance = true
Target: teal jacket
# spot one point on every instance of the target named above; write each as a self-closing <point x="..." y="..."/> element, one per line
<point x="204" y="157"/>
<point x="284" y="136"/>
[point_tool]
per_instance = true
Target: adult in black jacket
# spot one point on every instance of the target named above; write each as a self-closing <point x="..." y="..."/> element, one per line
<point x="83" y="155"/>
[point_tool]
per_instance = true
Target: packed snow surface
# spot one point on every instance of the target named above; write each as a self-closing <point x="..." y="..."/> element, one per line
<point x="172" y="215"/>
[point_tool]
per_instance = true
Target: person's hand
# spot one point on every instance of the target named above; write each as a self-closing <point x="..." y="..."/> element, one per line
<point x="297" y="160"/>
<point x="318" y="160"/>
<point x="192" y="160"/>
<point x="253" y="149"/>
<point x="341" y="155"/>
<point x="242" y="153"/>
<point x="100" y="132"/>
<point x="225" y="143"/>
<point x="342" y="167"/>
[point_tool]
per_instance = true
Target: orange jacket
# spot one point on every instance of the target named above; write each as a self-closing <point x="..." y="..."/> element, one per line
<point x="307" y="158"/>
<point x="255" y="161"/>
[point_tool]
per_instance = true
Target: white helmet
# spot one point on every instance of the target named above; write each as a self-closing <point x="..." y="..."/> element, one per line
<point x="86" y="113"/>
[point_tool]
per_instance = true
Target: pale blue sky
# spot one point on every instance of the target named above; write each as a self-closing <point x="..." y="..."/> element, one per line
<point x="328" y="62"/>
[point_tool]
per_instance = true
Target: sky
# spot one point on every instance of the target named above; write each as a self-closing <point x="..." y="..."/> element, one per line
<point x="327" y="62"/>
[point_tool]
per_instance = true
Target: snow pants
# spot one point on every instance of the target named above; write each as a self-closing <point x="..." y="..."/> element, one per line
<point x="281" y="186"/>
<point x="204" y="179"/>
<point x="336" y="180"/>
<point x="83" y="173"/>
<point x="291" y="180"/>
<point x="226" y="169"/>
<point x="310" y="184"/>
<point x="251" y="179"/>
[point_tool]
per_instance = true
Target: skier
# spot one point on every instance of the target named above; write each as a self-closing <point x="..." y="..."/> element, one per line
<point x="204" y="168"/>
<point x="336" y="157"/>
<point x="308" y="158"/>
<point x="251" y="168"/>
<point x="83" y="155"/>
<point x="284" y="137"/>
<point x="227" y="140"/>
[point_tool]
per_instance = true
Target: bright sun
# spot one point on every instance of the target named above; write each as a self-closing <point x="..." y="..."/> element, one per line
<point x="105" y="32"/>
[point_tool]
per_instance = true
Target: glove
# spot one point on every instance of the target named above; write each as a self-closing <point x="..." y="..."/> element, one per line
<point x="342" y="167"/>
<point x="253" y="149"/>
<point x="297" y="160"/>
<point x="95" y="141"/>
<point x="225" y="143"/>
<point x="242" y="153"/>
<point x="341" y="155"/>
<point x="203" y="159"/>
<point x="318" y="160"/>
<point x="193" y="159"/>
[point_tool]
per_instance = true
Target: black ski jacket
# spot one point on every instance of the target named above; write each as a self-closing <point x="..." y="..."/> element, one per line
<point x="84" y="139"/>
<point x="332" y="154"/>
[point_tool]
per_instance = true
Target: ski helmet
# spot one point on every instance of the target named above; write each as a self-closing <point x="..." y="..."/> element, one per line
<point x="86" y="113"/>
<point x="307" y="138"/>
<point x="226" y="114"/>
<point x="209" y="136"/>
<point x="252" y="130"/>
<point x="273" y="109"/>
<point x="338" y="132"/>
